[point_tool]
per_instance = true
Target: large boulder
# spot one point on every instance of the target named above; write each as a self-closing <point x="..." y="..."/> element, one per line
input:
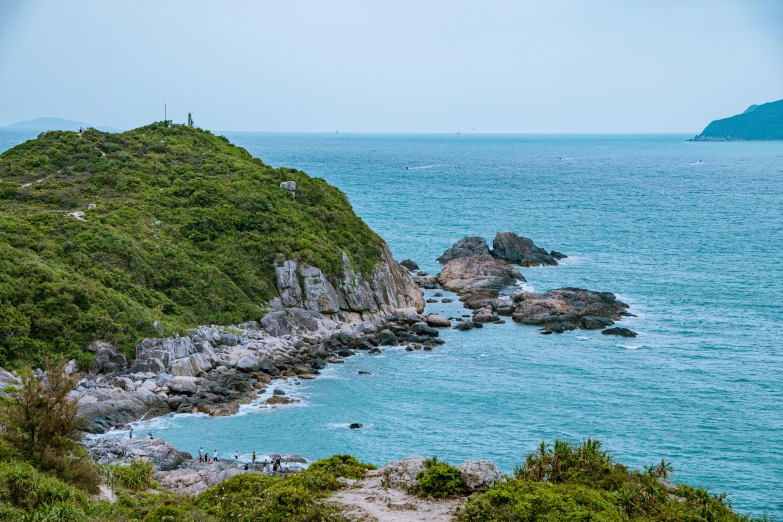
<point x="478" y="475"/>
<point x="467" y="246"/>
<point x="521" y="250"/>
<point x="402" y="474"/>
<point x="121" y="450"/>
<point x="276" y="324"/>
<point x="565" y="309"/>
<point x="478" y="275"/>
<point x="183" y="384"/>
<point x="438" y="321"/>
<point x="102" y="409"/>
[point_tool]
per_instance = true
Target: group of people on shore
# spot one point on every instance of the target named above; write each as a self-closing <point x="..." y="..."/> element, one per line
<point x="272" y="467"/>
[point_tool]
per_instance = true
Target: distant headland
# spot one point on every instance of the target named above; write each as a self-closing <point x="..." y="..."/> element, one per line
<point x="52" y="124"/>
<point x="758" y="122"/>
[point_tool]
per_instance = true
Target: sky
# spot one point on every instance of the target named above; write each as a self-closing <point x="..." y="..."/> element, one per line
<point x="630" y="66"/>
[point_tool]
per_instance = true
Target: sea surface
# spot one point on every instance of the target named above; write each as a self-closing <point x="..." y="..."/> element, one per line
<point x="689" y="234"/>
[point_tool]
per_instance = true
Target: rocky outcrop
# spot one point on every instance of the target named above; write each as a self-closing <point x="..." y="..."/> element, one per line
<point x="350" y="296"/>
<point x="478" y="276"/>
<point x="522" y="251"/>
<point x="568" y="309"/>
<point x="402" y="474"/>
<point x="467" y="246"/>
<point x="107" y="407"/>
<point x="410" y="265"/>
<point x="478" y="475"/>
<point x="179" y="356"/>
<point x="621" y="332"/>
<point x="122" y="450"/>
<point x="506" y="246"/>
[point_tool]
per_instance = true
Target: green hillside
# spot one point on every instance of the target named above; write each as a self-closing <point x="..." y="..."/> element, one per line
<point x="758" y="122"/>
<point x="185" y="230"/>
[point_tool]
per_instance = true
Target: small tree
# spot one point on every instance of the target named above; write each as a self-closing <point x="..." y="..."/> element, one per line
<point x="43" y="415"/>
<point x="42" y="422"/>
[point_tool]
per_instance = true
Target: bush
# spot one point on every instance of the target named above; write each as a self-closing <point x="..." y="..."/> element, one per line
<point x="136" y="476"/>
<point x="29" y="489"/>
<point x="439" y="479"/>
<point x="570" y="481"/>
<point x="342" y="466"/>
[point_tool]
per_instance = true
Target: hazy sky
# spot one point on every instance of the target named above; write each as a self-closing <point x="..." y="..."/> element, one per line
<point x="396" y="66"/>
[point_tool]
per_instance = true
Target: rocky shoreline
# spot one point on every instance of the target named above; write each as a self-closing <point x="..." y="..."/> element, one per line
<point x="314" y="322"/>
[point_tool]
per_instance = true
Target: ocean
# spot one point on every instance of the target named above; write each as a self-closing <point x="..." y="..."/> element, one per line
<point x="689" y="234"/>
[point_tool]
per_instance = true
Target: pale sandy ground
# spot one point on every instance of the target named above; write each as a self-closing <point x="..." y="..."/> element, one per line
<point x="368" y="500"/>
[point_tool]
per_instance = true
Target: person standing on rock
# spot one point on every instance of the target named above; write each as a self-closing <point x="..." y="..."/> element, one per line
<point x="254" y="457"/>
<point x="130" y="437"/>
<point x="201" y="454"/>
<point x="216" y="459"/>
<point x="236" y="456"/>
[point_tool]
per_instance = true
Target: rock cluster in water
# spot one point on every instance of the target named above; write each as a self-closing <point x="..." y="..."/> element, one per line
<point x="479" y="275"/>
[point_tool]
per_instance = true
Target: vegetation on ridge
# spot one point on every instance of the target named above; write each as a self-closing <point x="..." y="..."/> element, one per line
<point x="179" y="227"/>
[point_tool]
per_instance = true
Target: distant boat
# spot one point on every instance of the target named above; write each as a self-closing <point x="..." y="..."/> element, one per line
<point x="457" y="133"/>
<point x="337" y="132"/>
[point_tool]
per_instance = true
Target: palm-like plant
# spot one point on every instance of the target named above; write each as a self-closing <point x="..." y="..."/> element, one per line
<point x="664" y="470"/>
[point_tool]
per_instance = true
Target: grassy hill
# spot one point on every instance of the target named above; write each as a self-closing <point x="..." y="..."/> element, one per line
<point x="758" y="122"/>
<point x="179" y="227"/>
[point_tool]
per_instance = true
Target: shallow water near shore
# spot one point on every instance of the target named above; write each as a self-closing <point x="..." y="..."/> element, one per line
<point x="689" y="234"/>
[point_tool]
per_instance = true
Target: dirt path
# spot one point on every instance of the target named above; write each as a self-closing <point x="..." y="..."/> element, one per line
<point x="368" y="500"/>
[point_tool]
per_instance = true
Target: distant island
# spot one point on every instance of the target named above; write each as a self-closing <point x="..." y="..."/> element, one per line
<point x="51" y="124"/>
<point x="758" y="122"/>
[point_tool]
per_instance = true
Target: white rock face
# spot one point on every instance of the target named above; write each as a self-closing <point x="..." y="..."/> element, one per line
<point x="288" y="284"/>
<point x="479" y="474"/>
<point x="320" y="295"/>
<point x="438" y="321"/>
<point x="402" y="474"/>
<point x="183" y="384"/>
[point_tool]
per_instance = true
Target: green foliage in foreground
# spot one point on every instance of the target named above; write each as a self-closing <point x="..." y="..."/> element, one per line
<point x="439" y="480"/>
<point x="185" y="230"/>
<point x="136" y="476"/>
<point x="581" y="482"/>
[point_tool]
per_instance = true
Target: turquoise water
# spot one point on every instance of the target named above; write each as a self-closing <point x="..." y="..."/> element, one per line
<point x="689" y="234"/>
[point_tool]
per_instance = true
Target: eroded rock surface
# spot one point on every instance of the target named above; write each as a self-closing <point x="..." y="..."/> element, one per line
<point x="467" y="246"/>
<point x="478" y="276"/>
<point x="522" y="251"/>
<point x="568" y="309"/>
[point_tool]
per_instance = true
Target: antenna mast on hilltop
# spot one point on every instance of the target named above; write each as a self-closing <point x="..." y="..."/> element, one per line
<point x="165" y="114"/>
<point x="190" y="120"/>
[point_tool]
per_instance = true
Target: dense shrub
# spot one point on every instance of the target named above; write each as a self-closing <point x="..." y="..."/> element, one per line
<point x="40" y="426"/>
<point x="342" y="466"/>
<point x="570" y="481"/>
<point x="136" y="476"/>
<point x="170" y="202"/>
<point x="439" y="479"/>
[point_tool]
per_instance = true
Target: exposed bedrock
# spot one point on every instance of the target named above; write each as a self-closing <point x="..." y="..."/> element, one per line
<point x="507" y="246"/>
<point x="568" y="309"/>
<point x="348" y="296"/>
<point x="478" y="276"/>
<point x="522" y="251"/>
<point x="467" y="246"/>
